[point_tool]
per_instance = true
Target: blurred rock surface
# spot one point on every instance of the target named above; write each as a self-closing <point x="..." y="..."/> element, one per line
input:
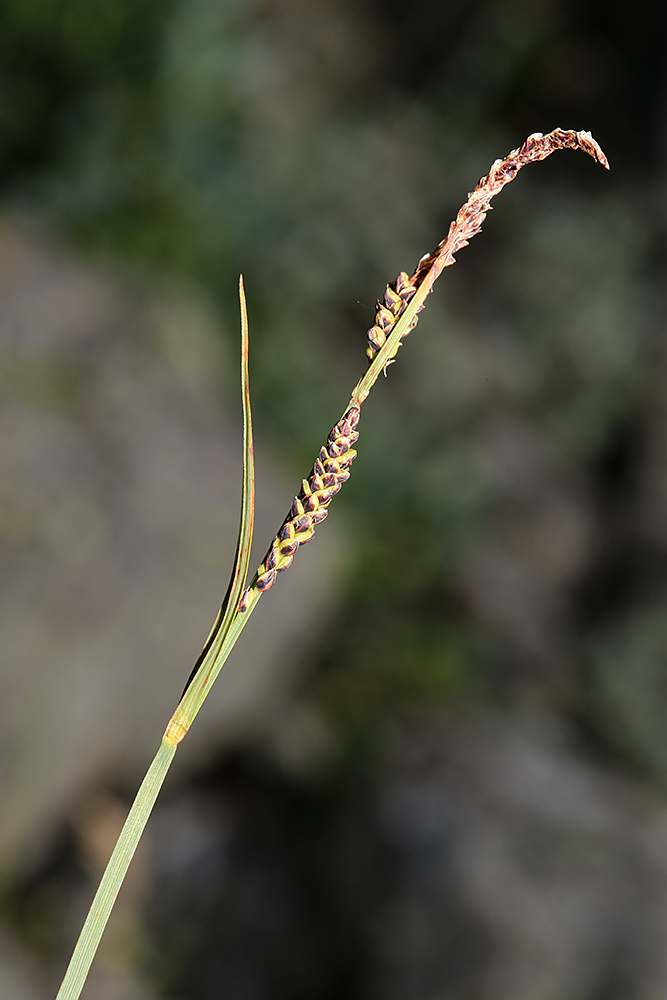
<point x="521" y="870"/>
<point x="119" y="498"/>
<point x="485" y="858"/>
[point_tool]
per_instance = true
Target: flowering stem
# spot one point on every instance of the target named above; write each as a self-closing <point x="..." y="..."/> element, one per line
<point x="396" y="316"/>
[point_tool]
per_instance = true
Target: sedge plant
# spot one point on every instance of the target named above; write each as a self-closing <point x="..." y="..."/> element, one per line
<point x="396" y="315"/>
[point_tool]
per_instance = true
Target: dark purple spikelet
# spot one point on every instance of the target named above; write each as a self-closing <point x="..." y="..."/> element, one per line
<point x="331" y="469"/>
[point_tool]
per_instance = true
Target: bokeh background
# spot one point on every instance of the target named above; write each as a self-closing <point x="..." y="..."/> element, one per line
<point x="436" y="766"/>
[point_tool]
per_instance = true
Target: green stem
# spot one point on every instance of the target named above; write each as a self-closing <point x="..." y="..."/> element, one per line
<point x="113" y="877"/>
<point x="197" y="692"/>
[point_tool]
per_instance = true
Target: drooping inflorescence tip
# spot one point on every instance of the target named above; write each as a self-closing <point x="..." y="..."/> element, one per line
<point x="468" y="223"/>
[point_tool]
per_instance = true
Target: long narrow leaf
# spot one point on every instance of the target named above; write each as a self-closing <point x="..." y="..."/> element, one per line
<point x="200" y="676"/>
<point x="228" y="626"/>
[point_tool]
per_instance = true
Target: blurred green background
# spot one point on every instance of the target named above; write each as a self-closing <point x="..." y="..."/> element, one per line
<point x="505" y="571"/>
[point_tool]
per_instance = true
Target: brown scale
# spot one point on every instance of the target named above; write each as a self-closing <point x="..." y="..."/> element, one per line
<point x="331" y="469"/>
<point x="396" y="298"/>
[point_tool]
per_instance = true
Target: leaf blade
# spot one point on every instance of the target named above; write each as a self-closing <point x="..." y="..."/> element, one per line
<point x="206" y="660"/>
